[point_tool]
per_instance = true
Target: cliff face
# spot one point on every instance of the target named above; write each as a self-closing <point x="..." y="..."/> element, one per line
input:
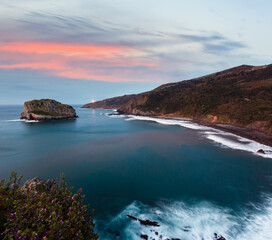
<point x="131" y="106"/>
<point x="47" y="109"/>
<point x="240" y="96"/>
<point x="110" y="103"/>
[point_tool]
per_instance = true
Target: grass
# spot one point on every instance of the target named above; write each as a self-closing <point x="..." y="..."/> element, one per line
<point x="40" y="112"/>
<point x="41" y="100"/>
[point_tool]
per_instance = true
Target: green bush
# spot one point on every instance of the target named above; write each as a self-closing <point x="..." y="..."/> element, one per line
<point x="57" y="213"/>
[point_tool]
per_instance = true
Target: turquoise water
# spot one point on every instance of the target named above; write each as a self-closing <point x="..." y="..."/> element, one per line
<point x="194" y="181"/>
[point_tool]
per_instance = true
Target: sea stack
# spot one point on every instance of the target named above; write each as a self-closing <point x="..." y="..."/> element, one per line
<point x="47" y="109"/>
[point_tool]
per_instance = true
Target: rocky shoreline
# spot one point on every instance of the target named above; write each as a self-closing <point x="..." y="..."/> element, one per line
<point x="248" y="133"/>
<point x="251" y="134"/>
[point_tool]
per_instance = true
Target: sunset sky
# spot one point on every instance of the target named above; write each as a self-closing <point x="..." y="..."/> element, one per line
<point x="76" y="51"/>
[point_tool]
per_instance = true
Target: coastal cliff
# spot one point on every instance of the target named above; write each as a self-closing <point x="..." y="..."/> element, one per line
<point x="47" y="109"/>
<point x="240" y="96"/>
<point x="111" y="103"/>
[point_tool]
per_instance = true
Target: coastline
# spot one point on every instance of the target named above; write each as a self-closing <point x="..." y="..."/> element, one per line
<point x="248" y="133"/>
<point x="251" y="134"/>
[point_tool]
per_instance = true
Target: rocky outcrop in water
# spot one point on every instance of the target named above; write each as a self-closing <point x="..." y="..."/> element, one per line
<point x="144" y="222"/>
<point x="261" y="151"/>
<point x="149" y="223"/>
<point x="47" y="109"/>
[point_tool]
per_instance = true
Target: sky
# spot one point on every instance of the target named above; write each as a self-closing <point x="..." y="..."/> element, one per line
<point x="76" y="51"/>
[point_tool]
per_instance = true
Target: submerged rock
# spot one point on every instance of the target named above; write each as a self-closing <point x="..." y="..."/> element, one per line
<point x="143" y="236"/>
<point x="144" y="222"/>
<point x="132" y="217"/>
<point x="149" y="223"/>
<point x="47" y="109"/>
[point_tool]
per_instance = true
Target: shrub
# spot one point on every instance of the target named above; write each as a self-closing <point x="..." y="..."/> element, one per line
<point x="56" y="213"/>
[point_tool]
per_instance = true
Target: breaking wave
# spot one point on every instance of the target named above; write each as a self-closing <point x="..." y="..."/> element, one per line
<point x="222" y="138"/>
<point x="198" y="221"/>
<point x="182" y="123"/>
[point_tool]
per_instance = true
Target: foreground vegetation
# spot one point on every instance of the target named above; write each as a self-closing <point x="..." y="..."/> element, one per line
<point x="32" y="212"/>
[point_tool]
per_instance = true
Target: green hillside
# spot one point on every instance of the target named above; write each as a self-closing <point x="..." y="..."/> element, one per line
<point x="241" y="96"/>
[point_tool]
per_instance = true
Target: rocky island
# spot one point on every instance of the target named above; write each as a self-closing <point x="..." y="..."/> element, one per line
<point x="47" y="109"/>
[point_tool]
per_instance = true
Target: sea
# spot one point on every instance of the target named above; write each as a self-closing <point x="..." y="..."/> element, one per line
<point x="193" y="180"/>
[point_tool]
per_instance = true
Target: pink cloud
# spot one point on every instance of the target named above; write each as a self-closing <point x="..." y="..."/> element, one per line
<point x="86" y="62"/>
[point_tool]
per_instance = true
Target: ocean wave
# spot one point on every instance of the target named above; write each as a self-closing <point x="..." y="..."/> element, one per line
<point x="220" y="137"/>
<point x="191" y="221"/>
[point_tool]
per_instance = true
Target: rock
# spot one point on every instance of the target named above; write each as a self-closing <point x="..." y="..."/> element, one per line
<point x="144" y="222"/>
<point x="261" y="151"/>
<point x="143" y="236"/>
<point x="218" y="237"/>
<point x="113" y="114"/>
<point x="47" y="109"/>
<point x="132" y="217"/>
<point x="149" y="223"/>
<point x="39" y="185"/>
<point x="186" y="228"/>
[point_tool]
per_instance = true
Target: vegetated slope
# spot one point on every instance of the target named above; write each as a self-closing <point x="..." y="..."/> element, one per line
<point x="110" y="103"/>
<point x="241" y="96"/>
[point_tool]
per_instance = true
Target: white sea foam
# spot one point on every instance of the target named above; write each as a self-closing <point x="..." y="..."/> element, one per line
<point x="34" y="121"/>
<point x="15" y="120"/>
<point x="115" y="115"/>
<point x="220" y="137"/>
<point x="182" y="123"/>
<point x="241" y="144"/>
<point x="21" y="120"/>
<point x="195" y="221"/>
<point x="259" y="226"/>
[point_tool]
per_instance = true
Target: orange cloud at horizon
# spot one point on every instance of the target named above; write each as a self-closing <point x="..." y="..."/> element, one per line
<point x="76" y="61"/>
